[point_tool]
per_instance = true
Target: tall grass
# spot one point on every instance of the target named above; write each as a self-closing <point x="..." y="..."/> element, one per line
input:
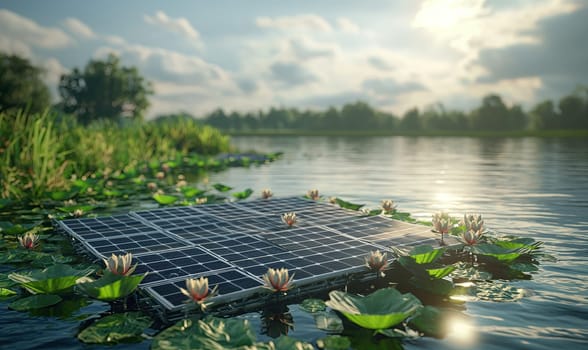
<point x="38" y="152"/>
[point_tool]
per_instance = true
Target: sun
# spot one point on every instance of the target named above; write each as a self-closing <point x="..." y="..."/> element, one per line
<point x="447" y="14"/>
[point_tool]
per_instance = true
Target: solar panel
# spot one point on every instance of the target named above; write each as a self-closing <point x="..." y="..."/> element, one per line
<point x="234" y="244"/>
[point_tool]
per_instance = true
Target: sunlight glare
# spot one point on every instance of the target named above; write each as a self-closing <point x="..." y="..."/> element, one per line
<point x="445" y="14"/>
<point x="461" y="330"/>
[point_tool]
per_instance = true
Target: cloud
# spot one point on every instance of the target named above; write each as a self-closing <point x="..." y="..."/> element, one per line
<point x="305" y="49"/>
<point x="291" y="74"/>
<point x="380" y="63"/>
<point x="557" y="56"/>
<point x="347" y="26"/>
<point x="18" y="34"/>
<point x="390" y="87"/>
<point x="306" y="22"/>
<point x="78" y="28"/>
<point x="178" y="25"/>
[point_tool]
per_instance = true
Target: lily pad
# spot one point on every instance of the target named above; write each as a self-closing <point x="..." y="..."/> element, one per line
<point x="425" y="254"/>
<point x="126" y="327"/>
<point x="440" y="272"/>
<point x="382" y="309"/>
<point x="14" y="229"/>
<point x="286" y="343"/>
<point x="243" y="194"/>
<point x="111" y="287"/>
<point x="334" y="342"/>
<point x="190" y="192"/>
<point x="34" y="302"/>
<point x="71" y="208"/>
<point x="313" y="305"/>
<point x="5" y="292"/>
<point x="209" y="333"/>
<point x="222" y="188"/>
<point x="430" y="321"/>
<point x="328" y="321"/>
<point x="500" y="253"/>
<point x="55" y="279"/>
<point x="348" y="205"/>
<point x="165" y="198"/>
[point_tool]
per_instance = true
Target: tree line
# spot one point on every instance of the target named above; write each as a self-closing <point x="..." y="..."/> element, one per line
<point x="105" y="89"/>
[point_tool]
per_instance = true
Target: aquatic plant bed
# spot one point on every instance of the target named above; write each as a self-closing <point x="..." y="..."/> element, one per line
<point x="234" y="244"/>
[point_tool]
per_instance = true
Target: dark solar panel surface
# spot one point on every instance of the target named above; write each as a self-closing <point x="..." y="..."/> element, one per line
<point x="234" y="244"/>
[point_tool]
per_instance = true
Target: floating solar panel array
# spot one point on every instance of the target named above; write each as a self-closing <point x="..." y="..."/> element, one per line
<point x="234" y="244"/>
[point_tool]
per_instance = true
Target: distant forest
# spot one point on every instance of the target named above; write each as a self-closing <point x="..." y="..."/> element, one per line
<point x="570" y="112"/>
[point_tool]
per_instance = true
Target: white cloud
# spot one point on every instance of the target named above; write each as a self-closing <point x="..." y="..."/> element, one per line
<point x="306" y="22"/>
<point x="178" y="25"/>
<point x="78" y="28"/>
<point x="347" y="26"/>
<point x="18" y="34"/>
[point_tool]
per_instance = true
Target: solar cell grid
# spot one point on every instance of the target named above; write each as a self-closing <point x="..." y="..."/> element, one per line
<point x="144" y="243"/>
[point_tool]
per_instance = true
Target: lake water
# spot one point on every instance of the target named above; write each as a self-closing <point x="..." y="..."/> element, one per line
<point x="525" y="186"/>
<point x="528" y="187"/>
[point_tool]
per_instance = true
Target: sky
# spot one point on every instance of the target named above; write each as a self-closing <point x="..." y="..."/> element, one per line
<point x="255" y="54"/>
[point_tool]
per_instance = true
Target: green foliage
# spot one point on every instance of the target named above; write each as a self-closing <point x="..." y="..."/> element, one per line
<point x="55" y="279"/>
<point x="313" y="305"/>
<point x="425" y="254"/>
<point x="382" y="309"/>
<point x="210" y="333"/>
<point x="126" y="327"/>
<point x="165" y="198"/>
<point x="110" y="287"/>
<point x="104" y="89"/>
<point x="334" y="342"/>
<point x="243" y="194"/>
<point x="21" y="86"/>
<point x="222" y="188"/>
<point x="348" y="205"/>
<point x="34" y="302"/>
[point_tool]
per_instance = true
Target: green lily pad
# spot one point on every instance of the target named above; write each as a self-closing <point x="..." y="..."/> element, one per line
<point x="113" y="329"/>
<point x="71" y="208"/>
<point x="425" y="254"/>
<point x="34" y="302"/>
<point x="348" y="205"/>
<point x="519" y="243"/>
<point x="441" y="272"/>
<point x="243" y="194"/>
<point x="190" y="192"/>
<point x="222" y="188"/>
<point x="334" y="342"/>
<point x="430" y="321"/>
<point x="111" y="287"/>
<point x="165" y="198"/>
<point x="5" y="292"/>
<point x="313" y="305"/>
<point x="435" y="286"/>
<point x="209" y="333"/>
<point x="328" y="321"/>
<point x="501" y="254"/>
<point x="62" y="195"/>
<point x="58" y="279"/>
<point x="286" y="343"/>
<point x="382" y="309"/>
<point x="5" y="202"/>
<point x="12" y="229"/>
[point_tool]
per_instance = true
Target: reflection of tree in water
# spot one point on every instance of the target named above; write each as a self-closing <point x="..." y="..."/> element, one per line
<point x="276" y="321"/>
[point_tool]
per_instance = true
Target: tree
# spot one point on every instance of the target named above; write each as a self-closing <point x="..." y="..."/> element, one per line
<point x="105" y="89"/>
<point x="21" y="85"/>
<point x="492" y="115"/>
<point x="412" y="120"/>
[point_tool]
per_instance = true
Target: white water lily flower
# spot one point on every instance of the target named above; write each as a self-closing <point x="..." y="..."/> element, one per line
<point x="441" y="222"/>
<point x="289" y="219"/>
<point x="473" y="222"/>
<point x="198" y="292"/>
<point x="28" y="240"/>
<point x="278" y="280"/>
<point x="266" y="193"/>
<point x="120" y="264"/>
<point x="388" y="206"/>
<point x="313" y="194"/>
<point x="471" y="237"/>
<point x="376" y="261"/>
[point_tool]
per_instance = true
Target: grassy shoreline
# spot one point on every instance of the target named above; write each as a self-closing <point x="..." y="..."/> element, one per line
<point x="430" y="133"/>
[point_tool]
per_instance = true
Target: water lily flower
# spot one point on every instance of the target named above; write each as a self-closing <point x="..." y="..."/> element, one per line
<point x="473" y="222"/>
<point x="333" y="200"/>
<point x="441" y="223"/>
<point x="266" y="193"/>
<point x="78" y="213"/>
<point x="289" y="218"/>
<point x="165" y="167"/>
<point x="28" y="240"/>
<point x="160" y="175"/>
<point x="181" y="183"/>
<point x="471" y="237"/>
<point x="278" y="280"/>
<point x="152" y="186"/>
<point x="120" y="265"/>
<point x="197" y="290"/>
<point x="376" y="261"/>
<point x="181" y="177"/>
<point x="388" y="206"/>
<point x="313" y="194"/>
<point x="365" y="211"/>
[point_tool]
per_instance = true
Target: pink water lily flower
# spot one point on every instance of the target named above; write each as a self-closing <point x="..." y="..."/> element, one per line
<point x="471" y="237"/>
<point x="28" y="241"/>
<point x="198" y="291"/>
<point x="266" y="193"/>
<point x="278" y="280"/>
<point x="289" y="219"/>
<point x="120" y="264"/>
<point x="473" y="222"/>
<point x="441" y="223"/>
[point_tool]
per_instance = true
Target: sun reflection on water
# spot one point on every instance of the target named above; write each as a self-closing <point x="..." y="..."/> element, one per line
<point x="461" y="331"/>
